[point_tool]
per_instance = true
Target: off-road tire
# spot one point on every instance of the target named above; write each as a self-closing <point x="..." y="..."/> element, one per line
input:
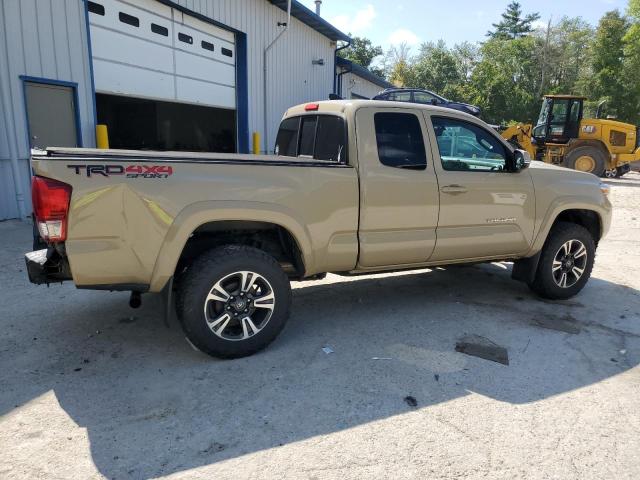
<point x="544" y="283"/>
<point x="200" y="278"/>
<point x="598" y="156"/>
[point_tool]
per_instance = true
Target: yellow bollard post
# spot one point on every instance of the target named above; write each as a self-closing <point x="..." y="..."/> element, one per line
<point x="256" y="143"/>
<point x="102" y="137"/>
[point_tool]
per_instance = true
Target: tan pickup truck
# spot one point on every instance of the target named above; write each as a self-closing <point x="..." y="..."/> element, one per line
<point x="355" y="187"/>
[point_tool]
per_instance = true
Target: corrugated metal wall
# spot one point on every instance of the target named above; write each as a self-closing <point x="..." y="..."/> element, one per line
<point x="292" y="78"/>
<point x="48" y="38"/>
<point x="45" y="39"/>
<point x="352" y="83"/>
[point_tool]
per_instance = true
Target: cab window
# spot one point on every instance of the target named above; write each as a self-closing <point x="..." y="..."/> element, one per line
<point x="399" y="140"/>
<point x="321" y="137"/>
<point x="465" y="146"/>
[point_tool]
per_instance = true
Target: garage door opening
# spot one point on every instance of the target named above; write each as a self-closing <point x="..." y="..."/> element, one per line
<point x="140" y="124"/>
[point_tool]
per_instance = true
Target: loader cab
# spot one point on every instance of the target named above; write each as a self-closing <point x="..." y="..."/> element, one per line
<point x="559" y="119"/>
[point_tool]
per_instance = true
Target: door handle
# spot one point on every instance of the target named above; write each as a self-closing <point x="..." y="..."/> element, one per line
<point x="454" y="189"/>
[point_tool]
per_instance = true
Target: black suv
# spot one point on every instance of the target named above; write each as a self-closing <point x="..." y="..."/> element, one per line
<point x="418" y="95"/>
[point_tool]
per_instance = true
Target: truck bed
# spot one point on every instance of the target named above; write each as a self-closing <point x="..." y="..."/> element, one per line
<point x="132" y="212"/>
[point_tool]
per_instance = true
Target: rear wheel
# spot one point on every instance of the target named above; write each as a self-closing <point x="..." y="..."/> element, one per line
<point x="586" y="159"/>
<point x="233" y="301"/>
<point x="612" y="173"/>
<point x="565" y="263"/>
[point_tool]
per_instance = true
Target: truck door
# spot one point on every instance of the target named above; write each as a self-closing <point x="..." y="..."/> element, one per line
<point x="486" y="210"/>
<point x="398" y="188"/>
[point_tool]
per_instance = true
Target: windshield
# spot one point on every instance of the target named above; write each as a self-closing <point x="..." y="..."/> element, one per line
<point x="544" y="113"/>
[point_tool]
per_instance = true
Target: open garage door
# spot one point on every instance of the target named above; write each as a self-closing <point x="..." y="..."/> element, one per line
<point x="153" y="65"/>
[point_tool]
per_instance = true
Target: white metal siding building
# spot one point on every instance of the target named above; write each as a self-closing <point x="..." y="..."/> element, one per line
<point x="183" y="75"/>
<point x="355" y="81"/>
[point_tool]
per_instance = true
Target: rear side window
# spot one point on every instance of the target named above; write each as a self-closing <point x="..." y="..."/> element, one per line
<point x="322" y="137"/>
<point x="400" y="142"/>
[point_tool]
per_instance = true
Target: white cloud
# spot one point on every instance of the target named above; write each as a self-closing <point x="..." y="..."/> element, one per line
<point x="356" y="24"/>
<point x="402" y="35"/>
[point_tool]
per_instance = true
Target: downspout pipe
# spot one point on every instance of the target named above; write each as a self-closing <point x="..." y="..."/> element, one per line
<point x="13" y="155"/>
<point x="335" y="60"/>
<point x="343" y="72"/>
<point x="264" y="83"/>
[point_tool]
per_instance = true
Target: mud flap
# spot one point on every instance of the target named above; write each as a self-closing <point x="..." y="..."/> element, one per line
<point x="169" y="303"/>
<point x="524" y="270"/>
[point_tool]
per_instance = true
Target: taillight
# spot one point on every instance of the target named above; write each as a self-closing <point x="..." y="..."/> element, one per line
<point x="51" y="207"/>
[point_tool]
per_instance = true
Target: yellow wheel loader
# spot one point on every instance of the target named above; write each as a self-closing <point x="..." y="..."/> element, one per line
<point x="561" y="136"/>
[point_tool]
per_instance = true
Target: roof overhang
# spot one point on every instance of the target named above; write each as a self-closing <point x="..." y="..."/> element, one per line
<point x="314" y="21"/>
<point x="362" y="72"/>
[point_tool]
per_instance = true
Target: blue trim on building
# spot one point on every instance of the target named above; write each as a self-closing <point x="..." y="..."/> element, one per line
<point x="242" y="93"/>
<point x="60" y="83"/>
<point x="93" y="82"/>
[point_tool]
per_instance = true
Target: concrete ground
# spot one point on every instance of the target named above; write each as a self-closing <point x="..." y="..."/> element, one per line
<point x="91" y="389"/>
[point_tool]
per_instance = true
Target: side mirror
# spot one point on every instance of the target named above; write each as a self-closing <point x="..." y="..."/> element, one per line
<point x="521" y="160"/>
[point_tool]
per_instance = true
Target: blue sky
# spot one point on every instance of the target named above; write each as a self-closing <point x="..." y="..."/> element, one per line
<point x="416" y="21"/>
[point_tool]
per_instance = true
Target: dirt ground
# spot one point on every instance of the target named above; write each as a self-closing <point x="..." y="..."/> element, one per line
<point x="91" y="389"/>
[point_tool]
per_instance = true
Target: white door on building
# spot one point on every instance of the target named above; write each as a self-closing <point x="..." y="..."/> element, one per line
<point x="147" y="49"/>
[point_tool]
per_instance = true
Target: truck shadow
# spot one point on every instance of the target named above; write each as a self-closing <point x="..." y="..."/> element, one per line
<point x="153" y="406"/>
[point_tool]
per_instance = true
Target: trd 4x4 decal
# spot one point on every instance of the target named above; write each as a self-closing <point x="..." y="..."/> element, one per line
<point x="131" y="171"/>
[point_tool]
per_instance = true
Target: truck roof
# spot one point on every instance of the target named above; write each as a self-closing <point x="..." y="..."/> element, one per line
<point x="342" y="106"/>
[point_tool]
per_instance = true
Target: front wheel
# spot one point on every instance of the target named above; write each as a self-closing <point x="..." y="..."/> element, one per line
<point x="565" y="263"/>
<point x="233" y="301"/>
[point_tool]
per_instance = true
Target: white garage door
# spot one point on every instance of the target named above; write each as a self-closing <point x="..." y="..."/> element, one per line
<point x="146" y="49"/>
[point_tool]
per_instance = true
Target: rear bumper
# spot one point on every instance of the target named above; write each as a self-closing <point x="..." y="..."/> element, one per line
<point x="47" y="266"/>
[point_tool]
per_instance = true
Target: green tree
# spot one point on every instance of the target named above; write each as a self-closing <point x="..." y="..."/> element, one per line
<point x="361" y="51"/>
<point x="467" y="56"/>
<point x="607" y="61"/>
<point x="399" y="66"/>
<point x="505" y="83"/>
<point x="631" y="64"/>
<point x="566" y="63"/>
<point x="513" y="25"/>
<point x="436" y="68"/>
